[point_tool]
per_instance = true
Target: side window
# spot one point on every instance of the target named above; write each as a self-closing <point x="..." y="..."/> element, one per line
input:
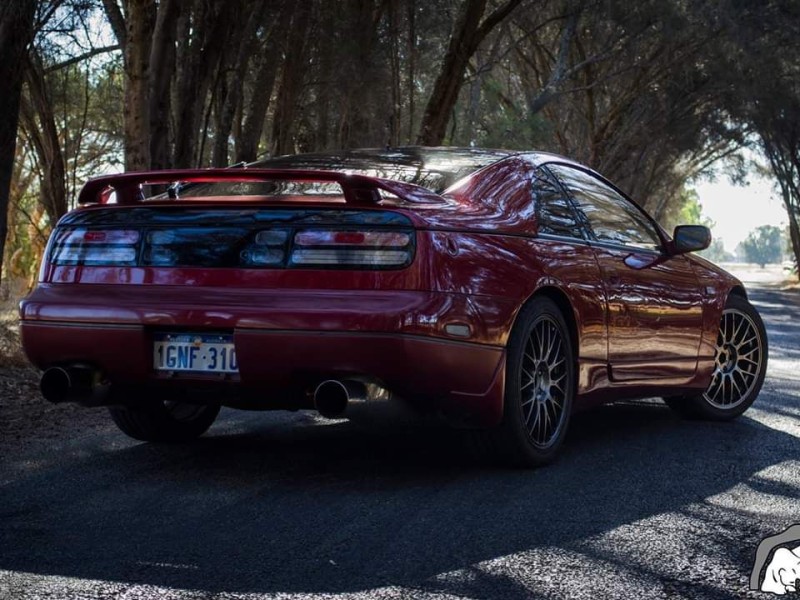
<point x="554" y="209"/>
<point x="612" y="217"/>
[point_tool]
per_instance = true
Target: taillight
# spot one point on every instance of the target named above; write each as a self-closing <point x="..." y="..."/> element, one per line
<point x="359" y="248"/>
<point x="235" y="246"/>
<point x="95" y="247"/>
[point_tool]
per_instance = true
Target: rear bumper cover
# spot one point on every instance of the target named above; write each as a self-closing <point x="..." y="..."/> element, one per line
<point x="286" y="341"/>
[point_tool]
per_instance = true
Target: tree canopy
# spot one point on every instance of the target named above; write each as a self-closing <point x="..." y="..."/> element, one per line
<point x="652" y="94"/>
<point x="763" y="245"/>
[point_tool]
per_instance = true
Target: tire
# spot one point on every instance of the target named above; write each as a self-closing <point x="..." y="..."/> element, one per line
<point x="165" y="421"/>
<point x="539" y="390"/>
<point x="740" y="365"/>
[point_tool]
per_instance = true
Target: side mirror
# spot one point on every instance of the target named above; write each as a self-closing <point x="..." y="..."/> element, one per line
<point x="690" y="238"/>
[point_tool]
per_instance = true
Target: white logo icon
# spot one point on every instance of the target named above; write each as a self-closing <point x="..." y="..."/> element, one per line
<point x="783" y="570"/>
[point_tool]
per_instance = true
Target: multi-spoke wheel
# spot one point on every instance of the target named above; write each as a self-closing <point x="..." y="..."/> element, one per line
<point x="740" y="363"/>
<point x="167" y="421"/>
<point x="540" y="374"/>
<point x="543" y="382"/>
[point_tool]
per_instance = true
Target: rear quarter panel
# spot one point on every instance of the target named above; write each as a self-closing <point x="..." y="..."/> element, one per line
<point x="484" y="246"/>
<point x="500" y="273"/>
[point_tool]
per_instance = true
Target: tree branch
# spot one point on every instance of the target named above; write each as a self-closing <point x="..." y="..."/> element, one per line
<point x="498" y="15"/>
<point x="117" y="20"/>
<point x="82" y="57"/>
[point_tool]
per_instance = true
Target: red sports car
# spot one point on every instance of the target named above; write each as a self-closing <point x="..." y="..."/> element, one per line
<point x="503" y="290"/>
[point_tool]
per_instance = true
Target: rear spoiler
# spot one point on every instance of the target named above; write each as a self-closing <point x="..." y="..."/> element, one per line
<point x="358" y="189"/>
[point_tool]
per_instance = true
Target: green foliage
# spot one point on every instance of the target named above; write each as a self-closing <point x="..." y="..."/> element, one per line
<point x="692" y="211"/>
<point x="716" y="252"/>
<point x="764" y="245"/>
<point x="686" y="210"/>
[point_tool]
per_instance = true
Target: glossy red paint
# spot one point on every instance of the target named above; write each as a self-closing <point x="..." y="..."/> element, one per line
<point x="641" y="324"/>
<point x="655" y="316"/>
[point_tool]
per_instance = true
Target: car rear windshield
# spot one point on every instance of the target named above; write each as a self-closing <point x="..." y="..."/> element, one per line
<point x="256" y="188"/>
<point x="433" y="168"/>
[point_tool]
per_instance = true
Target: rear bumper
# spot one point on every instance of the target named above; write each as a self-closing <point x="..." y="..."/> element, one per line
<point x="286" y="342"/>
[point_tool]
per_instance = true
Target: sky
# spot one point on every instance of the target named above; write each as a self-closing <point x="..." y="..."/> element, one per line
<point x="737" y="210"/>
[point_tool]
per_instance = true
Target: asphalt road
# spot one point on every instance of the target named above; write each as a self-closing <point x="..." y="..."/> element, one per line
<point x="640" y="505"/>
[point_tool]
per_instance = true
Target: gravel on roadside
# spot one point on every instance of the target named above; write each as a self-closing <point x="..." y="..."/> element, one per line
<point x="25" y="416"/>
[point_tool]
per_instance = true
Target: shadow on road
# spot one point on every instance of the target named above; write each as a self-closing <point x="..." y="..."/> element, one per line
<point x="258" y="506"/>
<point x="338" y="508"/>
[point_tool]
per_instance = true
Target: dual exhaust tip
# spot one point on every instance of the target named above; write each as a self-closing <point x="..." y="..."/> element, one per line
<point x="85" y="385"/>
<point x="80" y="384"/>
<point x="332" y="397"/>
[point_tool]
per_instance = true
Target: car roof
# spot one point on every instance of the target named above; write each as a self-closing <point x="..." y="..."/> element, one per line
<point x="435" y="168"/>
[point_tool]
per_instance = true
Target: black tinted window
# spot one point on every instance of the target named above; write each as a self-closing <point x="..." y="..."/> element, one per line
<point x="554" y="209"/>
<point x="432" y="168"/>
<point x="612" y="217"/>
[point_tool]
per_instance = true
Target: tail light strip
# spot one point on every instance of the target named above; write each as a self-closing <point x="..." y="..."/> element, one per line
<point x="234" y="247"/>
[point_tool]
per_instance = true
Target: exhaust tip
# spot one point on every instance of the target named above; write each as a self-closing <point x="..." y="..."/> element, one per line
<point x="55" y="385"/>
<point x="332" y="396"/>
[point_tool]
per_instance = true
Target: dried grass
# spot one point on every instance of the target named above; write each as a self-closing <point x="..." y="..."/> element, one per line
<point x="11" y="354"/>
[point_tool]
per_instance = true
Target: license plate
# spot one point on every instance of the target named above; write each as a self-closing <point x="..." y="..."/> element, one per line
<point x="200" y="353"/>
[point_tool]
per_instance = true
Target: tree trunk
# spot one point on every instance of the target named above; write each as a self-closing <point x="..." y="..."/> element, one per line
<point x="448" y="83"/>
<point x="21" y="181"/>
<point x="230" y="89"/>
<point x="396" y="118"/>
<point x="162" y="65"/>
<point x="293" y="72"/>
<point x="116" y="19"/>
<point x="794" y="234"/>
<point x="411" y="80"/>
<point x="467" y="35"/>
<point x="139" y="25"/>
<point x="16" y="32"/>
<point x="254" y="111"/>
<point x="366" y="88"/>
<point x="202" y="40"/>
<point x="484" y="66"/>
<point x="542" y="97"/>
<point x="786" y="170"/>
<point x="39" y="121"/>
<point x="325" y="48"/>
